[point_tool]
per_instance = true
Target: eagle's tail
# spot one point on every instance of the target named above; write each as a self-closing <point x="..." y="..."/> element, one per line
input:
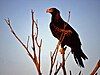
<point x="78" y="55"/>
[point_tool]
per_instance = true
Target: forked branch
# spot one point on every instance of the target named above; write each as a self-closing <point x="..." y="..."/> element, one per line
<point x="36" y="60"/>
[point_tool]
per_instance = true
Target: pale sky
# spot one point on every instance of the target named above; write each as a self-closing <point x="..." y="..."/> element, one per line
<point x="85" y="19"/>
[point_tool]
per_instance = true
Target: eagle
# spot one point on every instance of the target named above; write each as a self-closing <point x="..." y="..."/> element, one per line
<point x="71" y="38"/>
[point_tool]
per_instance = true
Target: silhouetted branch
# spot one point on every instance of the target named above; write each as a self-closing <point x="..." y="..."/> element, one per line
<point x="57" y="69"/>
<point x="33" y="31"/>
<point x="13" y="32"/>
<point x="67" y="55"/>
<point x="97" y="66"/>
<point x="34" y="39"/>
<point x="70" y="72"/>
<point x="63" y="63"/>
<point x="39" y="45"/>
<point x="96" y="73"/>
<point x="79" y="73"/>
<point x="68" y="17"/>
<point x="56" y="65"/>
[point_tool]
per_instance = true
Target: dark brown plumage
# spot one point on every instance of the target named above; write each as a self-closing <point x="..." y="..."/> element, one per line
<point x="71" y="39"/>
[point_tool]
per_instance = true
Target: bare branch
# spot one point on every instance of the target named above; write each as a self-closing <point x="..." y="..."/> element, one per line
<point x="63" y="64"/>
<point x="97" y="66"/>
<point x="57" y="70"/>
<point x="33" y="31"/>
<point x="67" y="55"/>
<point x="34" y="39"/>
<point x="34" y="59"/>
<point x="56" y="65"/>
<point x="39" y="45"/>
<point x="79" y="73"/>
<point x="70" y="72"/>
<point x="12" y="31"/>
<point x="68" y="17"/>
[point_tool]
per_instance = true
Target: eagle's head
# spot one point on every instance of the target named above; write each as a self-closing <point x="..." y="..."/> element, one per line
<point x="53" y="11"/>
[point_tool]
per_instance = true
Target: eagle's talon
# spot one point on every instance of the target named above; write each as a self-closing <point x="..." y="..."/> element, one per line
<point x="62" y="51"/>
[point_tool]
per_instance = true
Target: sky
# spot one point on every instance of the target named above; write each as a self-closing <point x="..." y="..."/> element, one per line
<point x="85" y="19"/>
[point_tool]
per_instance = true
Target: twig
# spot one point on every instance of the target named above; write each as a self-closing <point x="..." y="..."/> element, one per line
<point x="96" y="73"/>
<point x="39" y="46"/>
<point x="97" y="66"/>
<point x="57" y="70"/>
<point x="67" y="55"/>
<point x="68" y="17"/>
<point x="56" y="65"/>
<point x="13" y="32"/>
<point x="33" y="31"/>
<point x="70" y="72"/>
<point x="63" y="66"/>
<point x="79" y="73"/>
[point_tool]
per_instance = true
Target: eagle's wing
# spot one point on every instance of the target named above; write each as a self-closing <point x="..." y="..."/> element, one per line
<point x="57" y="31"/>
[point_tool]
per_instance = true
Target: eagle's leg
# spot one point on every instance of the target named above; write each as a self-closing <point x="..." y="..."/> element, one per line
<point x="62" y="50"/>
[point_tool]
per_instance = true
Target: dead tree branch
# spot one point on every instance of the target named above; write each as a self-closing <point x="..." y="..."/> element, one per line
<point x="68" y="17"/>
<point x="34" y="58"/>
<point x="57" y="70"/>
<point x="34" y="39"/>
<point x="70" y="72"/>
<point x="63" y="63"/>
<point x="79" y="73"/>
<point x="13" y="32"/>
<point x="97" y="66"/>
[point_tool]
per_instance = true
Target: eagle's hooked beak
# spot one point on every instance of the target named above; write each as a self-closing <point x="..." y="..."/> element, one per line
<point x="49" y="10"/>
